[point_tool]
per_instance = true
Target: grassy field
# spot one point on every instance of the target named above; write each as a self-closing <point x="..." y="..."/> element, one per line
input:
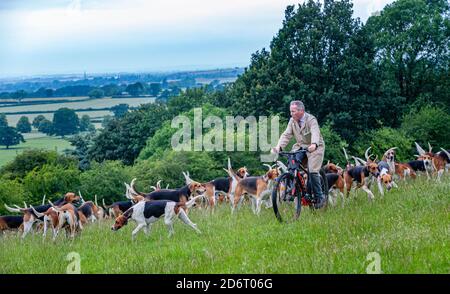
<point x="91" y="103"/>
<point x="408" y="228"/>
<point x="75" y="98"/>
<point x="14" y="118"/>
<point x="48" y="143"/>
<point x="106" y="102"/>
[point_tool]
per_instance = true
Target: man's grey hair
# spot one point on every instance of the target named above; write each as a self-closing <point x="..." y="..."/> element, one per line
<point x="299" y="104"/>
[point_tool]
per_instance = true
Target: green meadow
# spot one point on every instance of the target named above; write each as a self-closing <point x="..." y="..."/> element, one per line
<point x="45" y="142"/>
<point x="408" y="229"/>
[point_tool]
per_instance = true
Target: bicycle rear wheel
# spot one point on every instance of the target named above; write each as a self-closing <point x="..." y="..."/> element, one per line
<point x="287" y="207"/>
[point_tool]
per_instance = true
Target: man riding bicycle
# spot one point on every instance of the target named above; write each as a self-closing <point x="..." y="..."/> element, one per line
<point x="305" y="129"/>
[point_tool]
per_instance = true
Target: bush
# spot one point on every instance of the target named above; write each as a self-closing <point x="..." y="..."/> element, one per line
<point x="51" y="180"/>
<point x="429" y="124"/>
<point x="31" y="159"/>
<point x="106" y="180"/>
<point x="381" y="140"/>
<point x="333" y="145"/>
<point x="11" y="192"/>
<point x="170" y="166"/>
<point x="161" y="140"/>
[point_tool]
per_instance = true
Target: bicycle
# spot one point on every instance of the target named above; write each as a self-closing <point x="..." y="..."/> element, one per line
<point x="292" y="190"/>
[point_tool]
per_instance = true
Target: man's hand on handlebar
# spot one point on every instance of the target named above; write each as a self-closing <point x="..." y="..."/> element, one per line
<point x="275" y="150"/>
<point x="312" y="147"/>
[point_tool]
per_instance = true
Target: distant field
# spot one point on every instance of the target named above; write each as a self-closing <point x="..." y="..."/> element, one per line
<point x="48" y="143"/>
<point x="46" y="99"/>
<point x="222" y="80"/>
<point x="33" y="134"/>
<point x="93" y="103"/>
<point x="14" y="118"/>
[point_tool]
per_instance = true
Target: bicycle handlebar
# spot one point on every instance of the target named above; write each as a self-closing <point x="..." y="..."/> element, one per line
<point x="301" y="150"/>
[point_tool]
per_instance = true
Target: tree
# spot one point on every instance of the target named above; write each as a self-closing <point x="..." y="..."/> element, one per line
<point x="81" y="144"/>
<point x="96" y="93"/>
<point x="3" y="120"/>
<point x="323" y="57"/>
<point x="412" y="40"/>
<point x="49" y="92"/>
<point x="429" y="124"/>
<point x="161" y="140"/>
<point x="123" y="139"/>
<point x="85" y="124"/>
<point x="120" y="110"/>
<point x="106" y="119"/>
<point x="23" y="125"/>
<point x="164" y="84"/>
<point x="19" y="95"/>
<point x="39" y="93"/>
<point x="111" y="89"/>
<point x="155" y="88"/>
<point x="135" y="89"/>
<point x="46" y="127"/>
<point x="37" y="120"/>
<point x="65" y="122"/>
<point x="186" y="101"/>
<point x="77" y="90"/>
<point x="9" y="136"/>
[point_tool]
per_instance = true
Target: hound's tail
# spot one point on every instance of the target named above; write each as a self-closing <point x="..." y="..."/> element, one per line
<point x="346" y="158"/>
<point x="107" y="206"/>
<point x="133" y="187"/>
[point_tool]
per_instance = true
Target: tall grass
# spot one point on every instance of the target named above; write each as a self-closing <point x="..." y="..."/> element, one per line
<point x="409" y="228"/>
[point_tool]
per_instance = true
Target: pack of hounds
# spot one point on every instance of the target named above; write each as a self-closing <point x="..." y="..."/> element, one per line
<point x="71" y="212"/>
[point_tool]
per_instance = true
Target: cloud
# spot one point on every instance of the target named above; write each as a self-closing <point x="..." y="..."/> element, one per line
<point x="42" y="34"/>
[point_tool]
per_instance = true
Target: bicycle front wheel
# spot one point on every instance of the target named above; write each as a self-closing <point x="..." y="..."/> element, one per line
<point x="286" y="204"/>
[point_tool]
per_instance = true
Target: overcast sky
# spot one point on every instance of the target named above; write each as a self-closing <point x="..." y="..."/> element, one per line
<point x="72" y="36"/>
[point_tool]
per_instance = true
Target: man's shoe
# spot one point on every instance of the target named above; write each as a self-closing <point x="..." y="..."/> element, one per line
<point x="319" y="203"/>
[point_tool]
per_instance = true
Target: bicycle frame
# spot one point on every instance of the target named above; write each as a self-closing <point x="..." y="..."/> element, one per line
<point x="295" y="167"/>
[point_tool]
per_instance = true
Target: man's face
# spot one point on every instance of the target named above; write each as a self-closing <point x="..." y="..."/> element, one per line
<point x="296" y="113"/>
